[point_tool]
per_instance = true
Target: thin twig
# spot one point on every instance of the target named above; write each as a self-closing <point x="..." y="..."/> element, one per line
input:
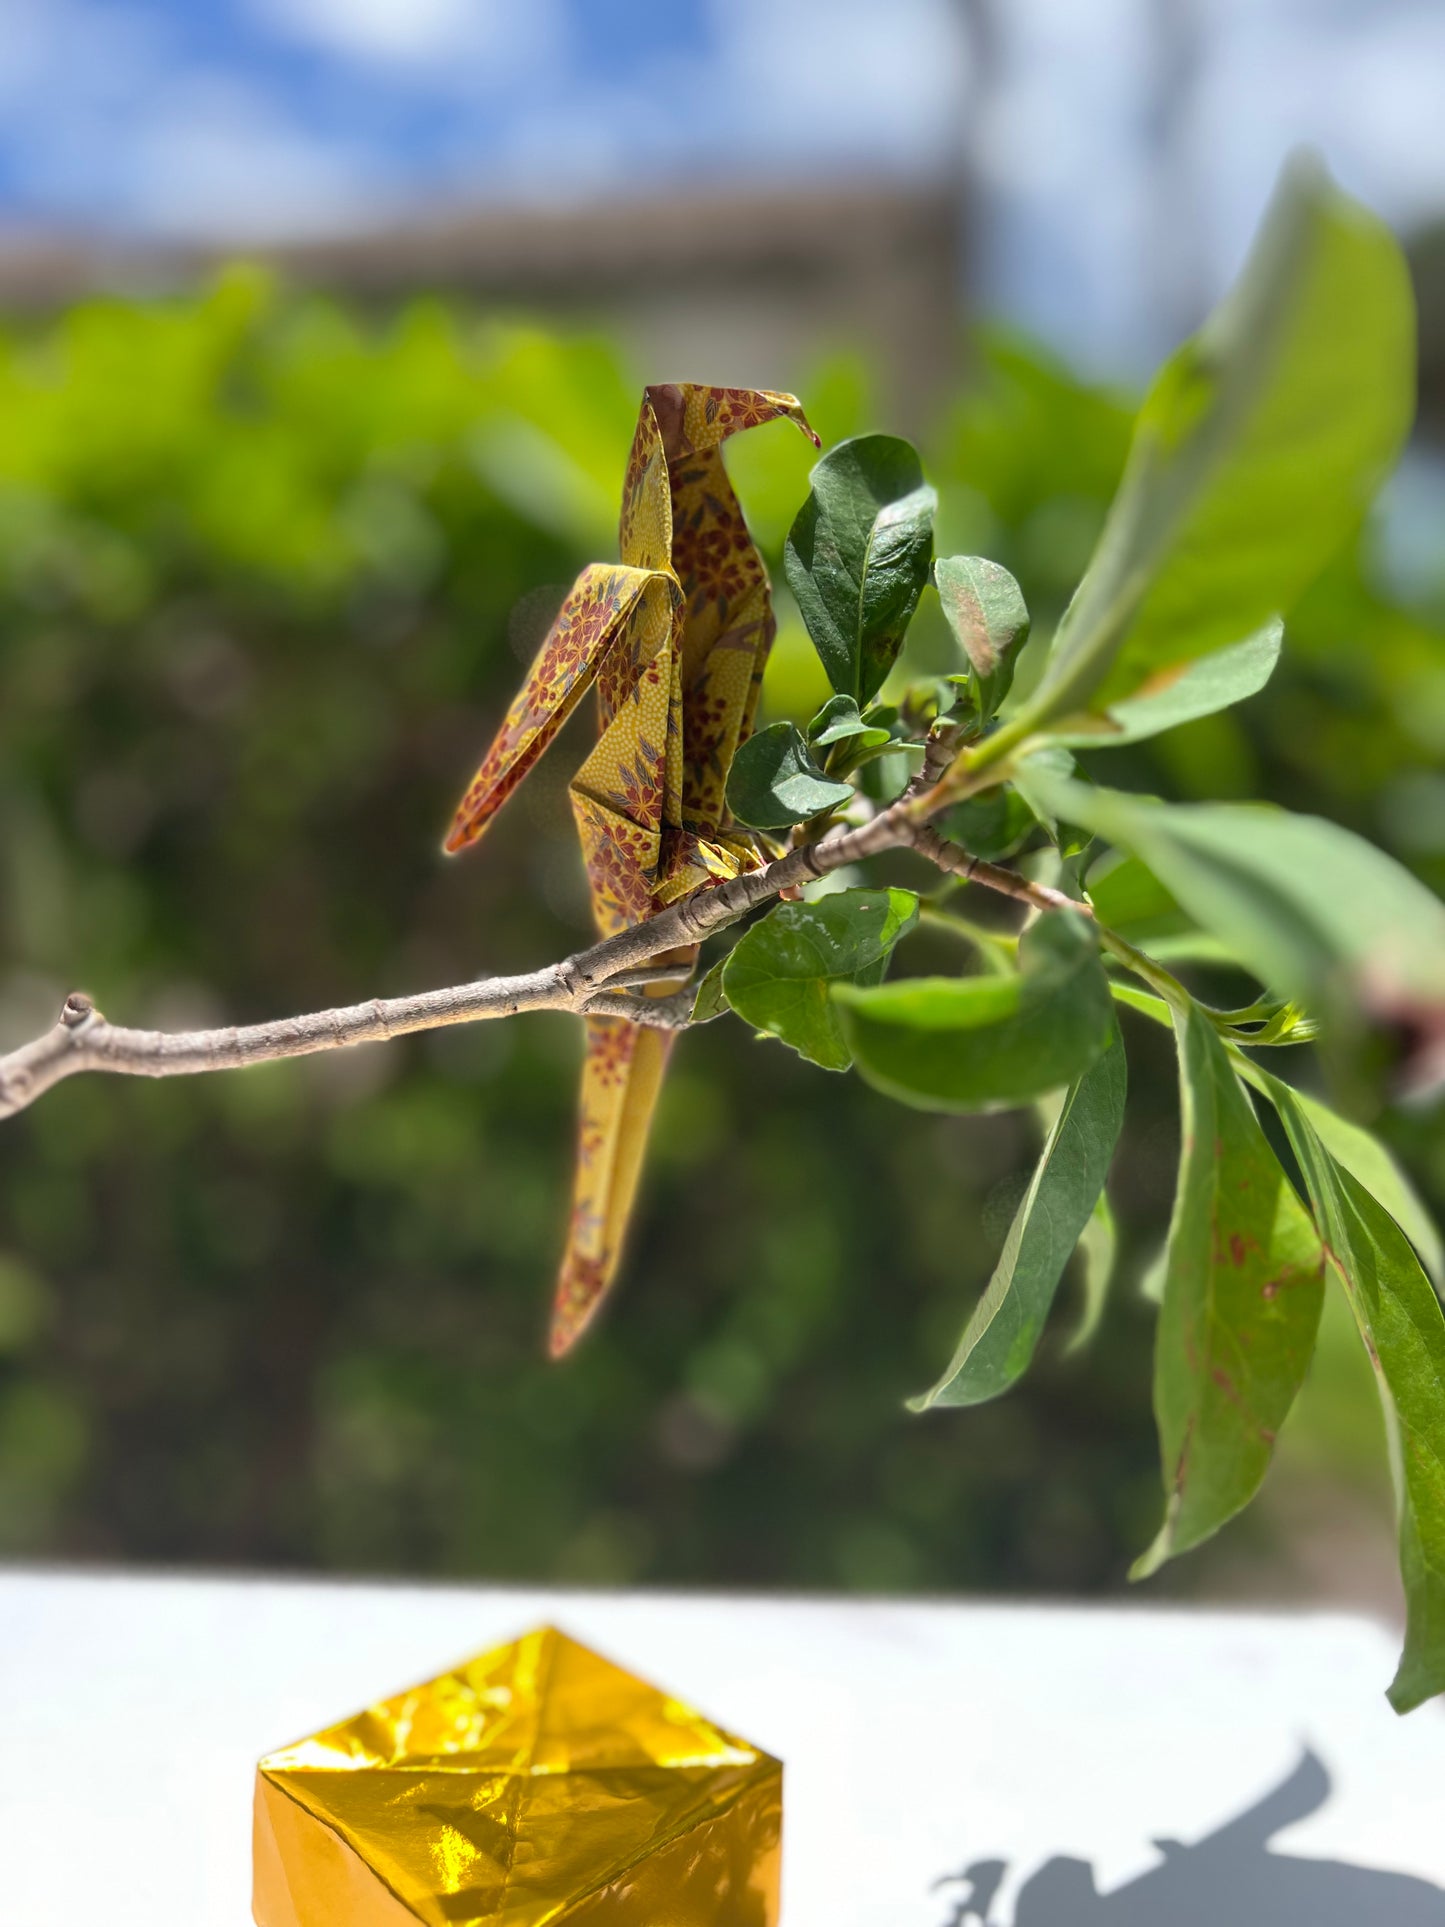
<point x="973" y="869"/>
<point x="660" y="1013"/>
<point x="592" y="981"/>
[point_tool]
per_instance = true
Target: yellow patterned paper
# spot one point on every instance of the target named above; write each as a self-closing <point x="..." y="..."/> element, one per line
<point x="675" y="639"/>
<point x="535" y="1784"/>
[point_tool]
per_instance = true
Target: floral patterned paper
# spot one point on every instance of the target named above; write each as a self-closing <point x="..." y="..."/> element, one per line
<point x="675" y="638"/>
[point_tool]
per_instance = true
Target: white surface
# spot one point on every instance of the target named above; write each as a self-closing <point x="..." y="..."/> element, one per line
<point x="916" y="1739"/>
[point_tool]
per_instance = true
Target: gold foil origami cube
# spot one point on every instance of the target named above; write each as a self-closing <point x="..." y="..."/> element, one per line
<point x="537" y="1783"/>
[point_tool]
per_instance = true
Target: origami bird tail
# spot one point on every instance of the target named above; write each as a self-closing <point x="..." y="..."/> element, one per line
<point x="621" y="1078"/>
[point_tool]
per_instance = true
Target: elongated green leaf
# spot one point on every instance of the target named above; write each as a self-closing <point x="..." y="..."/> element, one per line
<point x="1404" y="1333"/>
<point x="1179" y="693"/>
<point x="999" y="1339"/>
<point x="1369" y="1162"/>
<point x="1258" y="448"/>
<point x="778" y="975"/>
<point x="1241" y="1306"/>
<point x="1099" y="1250"/>
<point x="858" y="555"/>
<point x="986" y="1043"/>
<point x="774" y="781"/>
<point x="1316" y="912"/>
<point x="986" y="611"/>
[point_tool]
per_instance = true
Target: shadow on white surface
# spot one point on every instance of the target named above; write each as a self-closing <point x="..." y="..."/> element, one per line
<point x="1231" y="1875"/>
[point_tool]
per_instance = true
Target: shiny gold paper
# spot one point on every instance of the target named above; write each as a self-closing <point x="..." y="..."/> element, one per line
<point x="536" y="1783"/>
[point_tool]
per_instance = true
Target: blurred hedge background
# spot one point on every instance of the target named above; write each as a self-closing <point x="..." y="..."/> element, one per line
<point x="268" y="573"/>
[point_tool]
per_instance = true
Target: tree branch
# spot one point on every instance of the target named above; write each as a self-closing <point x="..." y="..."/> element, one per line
<point x="592" y="982"/>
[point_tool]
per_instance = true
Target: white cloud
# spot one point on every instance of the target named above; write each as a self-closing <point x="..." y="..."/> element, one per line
<point x="215" y="160"/>
<point x="461" y="42"/>
<point x="784" y="87"/>
<point x="839" y="77"/>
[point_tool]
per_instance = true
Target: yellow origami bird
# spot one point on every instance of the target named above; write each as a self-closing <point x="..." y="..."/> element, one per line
<point x="676" y="639"/>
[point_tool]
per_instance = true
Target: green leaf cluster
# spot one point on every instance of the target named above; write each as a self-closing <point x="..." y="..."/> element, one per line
<point x="1256" y="452"/>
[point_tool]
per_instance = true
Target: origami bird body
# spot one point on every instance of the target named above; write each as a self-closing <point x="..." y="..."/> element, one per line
<point x="675" y="637"/>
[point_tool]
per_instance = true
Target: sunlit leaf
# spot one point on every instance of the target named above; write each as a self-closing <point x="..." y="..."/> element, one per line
<point x="1180" y="693"/>
<point x="1404" y="1334"/>
<point x="1313" y="910"/>
<point x="858" y="556"/>
<point x="1369" y="1162"/>
<point x="777" y="977"/>
<point x="839" y="720"/>
<point x="775" y="781"/>
<point x="1056" y="1211"/>
<point x="985" y="1043"/>
<point x="1241" y="1302"/>
<point x="1255" y="453"/>
<point x="986" y="611"/>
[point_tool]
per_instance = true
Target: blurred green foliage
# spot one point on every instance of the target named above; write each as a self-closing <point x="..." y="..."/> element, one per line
<point x="266" y="574"/>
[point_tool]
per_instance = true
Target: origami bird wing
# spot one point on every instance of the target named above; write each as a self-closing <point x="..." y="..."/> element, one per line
<point x="619" y="796"/>
<point x="603" y="609"/>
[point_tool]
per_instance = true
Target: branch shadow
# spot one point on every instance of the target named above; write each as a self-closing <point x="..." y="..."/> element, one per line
<point x="1229" y="1876"/>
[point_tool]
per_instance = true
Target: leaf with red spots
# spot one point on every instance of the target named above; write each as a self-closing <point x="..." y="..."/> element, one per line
<point x="1403" y="1331"/>
<point x="1241" y="1306"/>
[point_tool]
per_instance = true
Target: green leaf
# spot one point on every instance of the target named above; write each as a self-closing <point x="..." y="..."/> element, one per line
<point x="1179" y="693"/>
<point x="1241" y="1306"/>
<point x="986" y="611"/>
<point x="1099" y="1249"/>
<point x="986" y="1043"/>
<point x="1067" y="1187"/>
<point x="774" y="781"/>
<point x="1257" y="450"/>
<point x="1313" y="910"/>
<point x="1403" y="1330"/>
<point x="1370" y="1164"/>
<point x="1129" y="898"/>
<point x="838" y="720"/>
<point x="1151" y="1278"/>
<point x="858" y="556"/>
<point x="993" y="825"/>
<point x="711" y="1000"/>
<point x="1056" y="761"/>
<point x="778" y="975"/>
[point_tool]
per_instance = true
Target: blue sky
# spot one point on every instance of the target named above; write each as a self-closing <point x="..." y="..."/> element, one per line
<point x="242" y="119"/>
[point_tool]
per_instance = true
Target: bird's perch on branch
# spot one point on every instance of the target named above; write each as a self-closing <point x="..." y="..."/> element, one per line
<point x="594" y="981"/>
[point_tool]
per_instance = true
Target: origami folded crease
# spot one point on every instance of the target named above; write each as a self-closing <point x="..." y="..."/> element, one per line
<point x="537" y="1783"/>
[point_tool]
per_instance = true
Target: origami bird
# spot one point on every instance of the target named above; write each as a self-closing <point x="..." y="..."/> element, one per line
<point x="675" y="639"/>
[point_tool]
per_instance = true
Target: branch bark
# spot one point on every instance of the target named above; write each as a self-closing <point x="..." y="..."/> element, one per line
<point x="595" y="981"/>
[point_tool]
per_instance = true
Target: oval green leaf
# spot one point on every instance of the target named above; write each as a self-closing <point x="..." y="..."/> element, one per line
<point x="777" y="977"/>
<point x="774" y="781"/>
<point x="987" y="612"/>
<point x="858" y="556"/>
<point x="986" y="1043"/>
<point x="839" y="720"/>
